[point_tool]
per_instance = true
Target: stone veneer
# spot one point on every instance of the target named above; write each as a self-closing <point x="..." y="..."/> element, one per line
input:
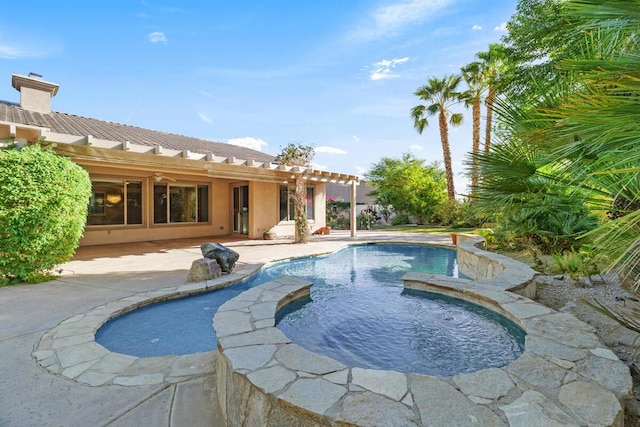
<point x="564" y="377"/>
<point x="70" y="349"/>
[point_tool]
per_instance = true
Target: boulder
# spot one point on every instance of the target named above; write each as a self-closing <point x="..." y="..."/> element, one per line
<point x="225" y="257"/>
<point x="204" y="269"/>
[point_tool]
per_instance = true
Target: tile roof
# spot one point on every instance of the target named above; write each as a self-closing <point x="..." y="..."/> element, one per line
<point x="81" y="126"/>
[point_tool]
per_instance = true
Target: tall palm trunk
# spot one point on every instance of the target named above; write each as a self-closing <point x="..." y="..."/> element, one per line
<point x="489" y="103"/>
<point x="446" y="151"/>
<point x="475" y="111"/>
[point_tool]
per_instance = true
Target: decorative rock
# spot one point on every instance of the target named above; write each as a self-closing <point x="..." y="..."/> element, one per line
<point x="591" y="403"/>
<point x="250" y="357"/>
<point x="440" y="404"/>
<point x="491" y="383"/>
<point x="604" y="352"/>
<point x="541" y="374"/>
<point x="388" y="383"/>
<point x="369" y="409"/>
<point x="533" y="409"/>
<point x="300" y="359"/>
<point x="204" y="269"/>
<point x="610" y="374"/>
<point x="272" y="379"/>
<point x="547" y="347"/>
<point x="316" y="395"/>
<point x="340" y="377"/>
<point x="225" y="257"/>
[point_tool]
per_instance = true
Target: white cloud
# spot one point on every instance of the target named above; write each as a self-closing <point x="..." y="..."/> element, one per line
<point x="248" y="142"/>
<point x="205" y="118"/>
<point x="361" y="171"/>
<point x="157" y="37"/>
<point x="355" y="138"/>
<point x="387" y="20"/>
<point x="501" y="27"/>
<point x="318" y="166"/>
<point x="14" y="51"/>
<point x="384" y="69"/>
<point x="476" y="27"/>
<point x="329" y="150"/>
<point x="416" y="147"/>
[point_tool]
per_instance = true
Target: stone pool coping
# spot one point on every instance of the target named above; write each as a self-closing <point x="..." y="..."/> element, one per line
<point x="564" y="377"/>
<point x="70" y="349"/>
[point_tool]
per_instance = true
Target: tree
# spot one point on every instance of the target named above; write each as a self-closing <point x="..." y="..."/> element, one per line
<point x="491" y="67"/>
<point x="299" y="156"/>
<point x="571" y="149"/>
<point x="442" y="94"/>
<point x="540" y="33"/>
<point x="408" y="185"/>
<point x="473" y="76"/>
<point x="43" y="210"/>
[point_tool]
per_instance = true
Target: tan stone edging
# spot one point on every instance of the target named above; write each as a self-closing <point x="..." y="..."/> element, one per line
<point x="564" y="376"/>
<point x="70" y="349"/>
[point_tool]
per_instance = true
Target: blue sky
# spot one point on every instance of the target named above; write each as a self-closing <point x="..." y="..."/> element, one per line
<point x="335" y="74"/>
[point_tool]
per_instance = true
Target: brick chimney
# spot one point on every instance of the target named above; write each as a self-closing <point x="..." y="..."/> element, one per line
<point x="35" y="93"/>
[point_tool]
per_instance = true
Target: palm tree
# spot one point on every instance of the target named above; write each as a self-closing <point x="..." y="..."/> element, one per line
<point x="473" y="76"/>
<point x="492" y="64"/>
<point x="442" y="94"/>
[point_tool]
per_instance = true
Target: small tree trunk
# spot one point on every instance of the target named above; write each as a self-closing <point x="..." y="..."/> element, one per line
<point x="300" y="205"/>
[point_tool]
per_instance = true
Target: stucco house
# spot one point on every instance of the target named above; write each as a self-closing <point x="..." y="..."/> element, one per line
<point x="152" y="185"/>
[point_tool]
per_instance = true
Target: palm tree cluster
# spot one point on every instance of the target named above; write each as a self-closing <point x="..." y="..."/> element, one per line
<point x="441" y="94"/>
<point x="559" y="167"/>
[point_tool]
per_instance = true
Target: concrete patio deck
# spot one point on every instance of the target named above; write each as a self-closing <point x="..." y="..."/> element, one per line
<point x="32" y="396"/>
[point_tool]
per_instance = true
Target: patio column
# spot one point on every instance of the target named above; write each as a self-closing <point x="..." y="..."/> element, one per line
<point x="353" y="208"/>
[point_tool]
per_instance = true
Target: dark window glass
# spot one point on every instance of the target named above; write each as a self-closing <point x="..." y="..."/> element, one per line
<point x="287" y="203"/>
<point x="284" y="203"/>
<point x="182" y="203"/>
<point x="113" y="200"/>
<point x="310" y="203"/>
<point x="203" y="203"/>
<point x="134" y="202"/>
<point x="160" y="203"/>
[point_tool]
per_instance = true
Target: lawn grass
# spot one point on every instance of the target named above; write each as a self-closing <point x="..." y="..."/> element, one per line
<point x="412" y="228"/>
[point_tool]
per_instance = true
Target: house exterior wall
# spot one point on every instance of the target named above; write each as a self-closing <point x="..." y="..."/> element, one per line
<point x="320" y="204"/>
<point x="263" y="202"/>
<point x="124" y="163"/>
<point x="218" y="208"/>
<point x="263" y="209"/>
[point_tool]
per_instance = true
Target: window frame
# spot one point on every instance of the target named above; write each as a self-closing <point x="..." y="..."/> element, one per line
<point x="290" y="203"/>
<point x="98" y="206"/>
<point x="198" y="211"/>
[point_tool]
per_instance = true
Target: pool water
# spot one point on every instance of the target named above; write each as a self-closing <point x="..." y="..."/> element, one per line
<point x="360" y="314"/>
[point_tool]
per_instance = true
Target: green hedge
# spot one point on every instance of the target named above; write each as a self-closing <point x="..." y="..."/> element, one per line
<point x="43" y="211"/>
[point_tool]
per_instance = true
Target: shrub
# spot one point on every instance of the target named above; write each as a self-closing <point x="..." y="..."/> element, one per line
<point x="400" y="219"/>
<point x="578" y="263"/>
<point x="338" y="214"/>
<point x="42" y="213"/>
<point x="366" y="219"/>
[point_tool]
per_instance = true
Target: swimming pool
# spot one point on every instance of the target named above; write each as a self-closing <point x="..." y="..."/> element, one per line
<point x="369" y="274"/>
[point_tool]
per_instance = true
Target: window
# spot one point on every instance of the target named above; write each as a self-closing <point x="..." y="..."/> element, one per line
<point x="287" y="206"/>
<point x="115" y="202"/>
<point x="176" y="203"/>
